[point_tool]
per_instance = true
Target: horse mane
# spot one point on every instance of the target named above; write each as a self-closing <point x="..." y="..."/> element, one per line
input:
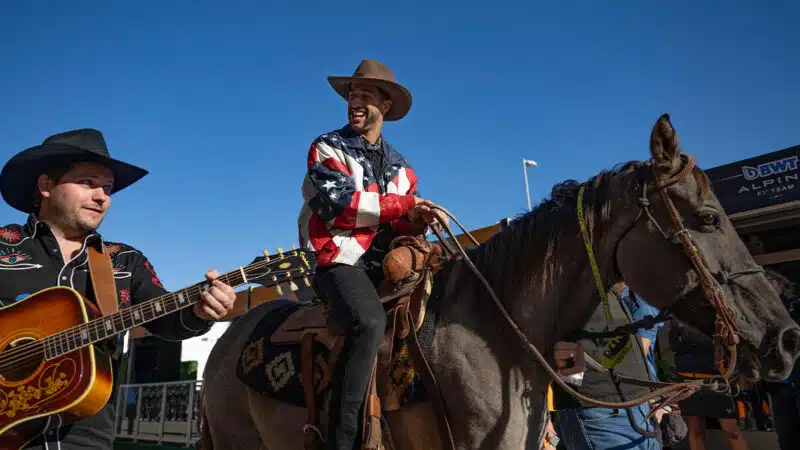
<point x="554" y="219"/>
<point x="543" y="228"/>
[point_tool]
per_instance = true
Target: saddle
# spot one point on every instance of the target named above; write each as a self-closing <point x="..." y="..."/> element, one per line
<point x="408" y="270"/>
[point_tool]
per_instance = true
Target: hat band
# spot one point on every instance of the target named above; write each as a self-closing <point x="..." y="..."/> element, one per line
<point x="382" y="90"/>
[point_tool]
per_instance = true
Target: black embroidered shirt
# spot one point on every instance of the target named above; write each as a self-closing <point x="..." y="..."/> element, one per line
<point x="30" y="260"/>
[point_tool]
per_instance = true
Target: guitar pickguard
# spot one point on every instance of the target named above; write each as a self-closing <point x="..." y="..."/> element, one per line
<point x="28" y="397"/>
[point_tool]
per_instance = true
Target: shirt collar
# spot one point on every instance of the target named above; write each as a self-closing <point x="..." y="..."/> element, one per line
<point x="354" y="139"/>
<point x="33" y="224"/>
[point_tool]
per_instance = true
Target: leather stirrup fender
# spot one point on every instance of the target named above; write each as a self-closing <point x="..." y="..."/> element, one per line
<point x="372" y="436"/>
<point x="312" y="436"/>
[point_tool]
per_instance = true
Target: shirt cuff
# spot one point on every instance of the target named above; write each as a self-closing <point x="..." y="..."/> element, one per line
<point x="407" y="202"/>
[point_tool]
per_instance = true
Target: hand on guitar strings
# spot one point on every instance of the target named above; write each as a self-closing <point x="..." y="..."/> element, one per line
<point x="216" y="302"/>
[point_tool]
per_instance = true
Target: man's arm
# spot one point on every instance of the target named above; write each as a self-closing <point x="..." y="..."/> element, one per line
<point x="177" y="326"/>
<point x="335" y="198"/>
<point x="403" y="225"/>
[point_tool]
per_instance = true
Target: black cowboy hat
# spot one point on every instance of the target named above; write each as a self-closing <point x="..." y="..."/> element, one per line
<point x="20" y="174"/>
<point x="375" y="73"/>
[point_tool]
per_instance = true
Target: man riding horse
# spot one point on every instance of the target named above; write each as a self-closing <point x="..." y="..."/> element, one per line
<point x="359" y="194"/>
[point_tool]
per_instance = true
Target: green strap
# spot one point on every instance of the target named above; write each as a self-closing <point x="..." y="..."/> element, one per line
<point x="592" y="261"/>
<point x="616" y="349"/>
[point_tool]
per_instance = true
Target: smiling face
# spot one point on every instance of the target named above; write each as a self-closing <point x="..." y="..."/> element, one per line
<point x="76" y="202"/>
<point x="366" y="106"/>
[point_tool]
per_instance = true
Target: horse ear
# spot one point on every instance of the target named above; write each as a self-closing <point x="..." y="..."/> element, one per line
<point x="665" y="150"/>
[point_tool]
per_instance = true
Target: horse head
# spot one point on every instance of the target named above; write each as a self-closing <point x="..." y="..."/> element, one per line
<point x="680" y="252"/>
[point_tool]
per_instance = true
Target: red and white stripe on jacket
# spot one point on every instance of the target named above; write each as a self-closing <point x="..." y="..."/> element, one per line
<point x="342" y="206"/>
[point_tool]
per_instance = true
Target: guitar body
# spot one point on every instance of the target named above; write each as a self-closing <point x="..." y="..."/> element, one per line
<point x="75" y="385"/>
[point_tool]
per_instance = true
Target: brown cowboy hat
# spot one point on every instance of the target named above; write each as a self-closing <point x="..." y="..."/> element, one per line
<point x="20" y="174"/>
<point x="375" y="73"/>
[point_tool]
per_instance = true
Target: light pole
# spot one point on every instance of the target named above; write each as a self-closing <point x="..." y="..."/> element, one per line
<point x="525" y="164"/>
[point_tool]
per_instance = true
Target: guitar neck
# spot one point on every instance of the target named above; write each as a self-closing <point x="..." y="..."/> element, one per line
<point x="107" y="326"/>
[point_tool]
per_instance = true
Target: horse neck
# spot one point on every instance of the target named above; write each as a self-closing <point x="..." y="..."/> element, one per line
<point x="540" y="269"/>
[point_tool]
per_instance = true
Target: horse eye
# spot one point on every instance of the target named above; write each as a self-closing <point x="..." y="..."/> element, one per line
<point x="710" y="219"/>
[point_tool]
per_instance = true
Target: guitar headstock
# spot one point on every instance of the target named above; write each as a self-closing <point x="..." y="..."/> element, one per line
<point x="280" y="267"/>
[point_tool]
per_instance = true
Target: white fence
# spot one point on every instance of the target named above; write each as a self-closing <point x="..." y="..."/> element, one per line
<point x="163" y="413"/>
<point x="168" y="413"/>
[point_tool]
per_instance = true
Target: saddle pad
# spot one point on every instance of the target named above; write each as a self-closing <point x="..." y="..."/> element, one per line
<point x="274" y="369"/>
<point x="406" y="386"/>
<point x="311" y="317"/>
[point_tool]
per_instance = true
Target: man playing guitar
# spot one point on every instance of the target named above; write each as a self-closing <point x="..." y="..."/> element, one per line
<point x="65" y="186"/>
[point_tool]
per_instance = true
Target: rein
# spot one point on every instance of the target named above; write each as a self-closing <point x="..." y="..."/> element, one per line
<point x="727" y="335"/>
<point x="672" y="392"/>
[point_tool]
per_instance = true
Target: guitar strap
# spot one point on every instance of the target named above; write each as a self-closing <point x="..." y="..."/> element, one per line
<point x="102" y="275"/>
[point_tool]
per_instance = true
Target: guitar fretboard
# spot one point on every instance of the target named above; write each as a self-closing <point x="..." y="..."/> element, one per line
<point x="105" y="327"/>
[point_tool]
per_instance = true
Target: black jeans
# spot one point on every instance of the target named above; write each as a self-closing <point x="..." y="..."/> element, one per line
<point x="354" y="304"/>
<point x="785" y="413"/>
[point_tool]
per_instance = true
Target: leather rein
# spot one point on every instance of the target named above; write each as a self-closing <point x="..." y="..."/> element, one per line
<point x="726" y="332"/>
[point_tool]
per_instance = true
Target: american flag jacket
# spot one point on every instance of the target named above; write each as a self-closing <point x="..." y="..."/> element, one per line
<point x="346" y="200"/>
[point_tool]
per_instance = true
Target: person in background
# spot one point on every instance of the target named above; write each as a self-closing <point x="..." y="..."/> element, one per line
<point x="694" y="358"/>
<point x="639" y="310"/>
<point x="785" y="396"/>
<point x="673" y="428"/>
<point x="585" y="427"/>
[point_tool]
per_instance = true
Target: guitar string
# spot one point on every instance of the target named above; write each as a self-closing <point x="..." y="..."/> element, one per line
<point x="36" y="349"/>
<point x="39" y="345"/>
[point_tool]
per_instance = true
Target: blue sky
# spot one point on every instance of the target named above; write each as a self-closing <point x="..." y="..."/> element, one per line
<point x="220" y="103"/>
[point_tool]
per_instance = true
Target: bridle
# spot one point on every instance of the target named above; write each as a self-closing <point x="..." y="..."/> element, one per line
<point x="726" y="333"/>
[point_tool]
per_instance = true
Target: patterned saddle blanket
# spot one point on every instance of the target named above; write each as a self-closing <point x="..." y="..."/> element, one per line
<point x="270" y="362"/>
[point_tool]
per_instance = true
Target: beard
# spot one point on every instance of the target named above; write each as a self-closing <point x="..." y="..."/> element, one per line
<point x="370" y="119"/>
<point x="69" y="219"/>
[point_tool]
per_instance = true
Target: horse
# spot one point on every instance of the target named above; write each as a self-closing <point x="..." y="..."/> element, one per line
<point x="538" y="266"/>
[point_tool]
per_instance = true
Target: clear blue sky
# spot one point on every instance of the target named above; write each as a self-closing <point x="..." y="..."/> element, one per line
<point x="220" y="103"/>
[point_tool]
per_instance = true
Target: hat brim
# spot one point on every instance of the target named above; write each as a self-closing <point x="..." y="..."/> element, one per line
<point x="398" y="94"/>
<point x="20" y="174"/>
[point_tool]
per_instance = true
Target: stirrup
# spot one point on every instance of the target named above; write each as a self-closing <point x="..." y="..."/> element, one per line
<point x="312" y="441"/>
<point x="313" y="428"/>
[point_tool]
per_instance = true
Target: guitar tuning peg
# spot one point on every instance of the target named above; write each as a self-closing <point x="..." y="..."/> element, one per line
<point x="280" y="252"/>
<point x="266" y="255"/>
<point x="293" y="286"/>
<point x="305" y="280"/>
<point x="294" y="247"/>
<point x="277" y="285"/>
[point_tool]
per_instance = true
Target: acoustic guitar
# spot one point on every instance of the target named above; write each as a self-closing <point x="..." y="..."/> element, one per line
<point x="50" y="360"/>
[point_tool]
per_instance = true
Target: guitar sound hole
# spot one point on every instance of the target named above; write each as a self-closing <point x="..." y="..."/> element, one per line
<point x="20" y="359"/>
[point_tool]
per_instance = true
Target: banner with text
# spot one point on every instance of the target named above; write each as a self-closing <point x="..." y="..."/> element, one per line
<point x="757" y="182"/>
